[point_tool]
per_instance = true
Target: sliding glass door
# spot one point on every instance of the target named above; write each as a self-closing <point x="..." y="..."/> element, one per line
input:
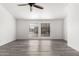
<point x="45" y="29"/>
<point x="39" y="30"/>
<point x="33" y="30"/>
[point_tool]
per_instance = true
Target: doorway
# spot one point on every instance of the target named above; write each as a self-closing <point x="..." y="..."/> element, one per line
<point x="41" y="30"/>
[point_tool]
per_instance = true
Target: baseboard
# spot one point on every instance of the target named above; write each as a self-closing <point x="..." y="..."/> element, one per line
<point x="43" y="39"/>
<point x="6" y="42"/>
<point x="77" y="49"/>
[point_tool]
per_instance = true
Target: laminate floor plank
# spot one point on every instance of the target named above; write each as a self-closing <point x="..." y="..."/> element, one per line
<point x="37" y="48"/>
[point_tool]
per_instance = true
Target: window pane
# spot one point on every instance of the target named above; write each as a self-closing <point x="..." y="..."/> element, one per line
<point x="33" y="29"/>
<point x="45" y="29"/>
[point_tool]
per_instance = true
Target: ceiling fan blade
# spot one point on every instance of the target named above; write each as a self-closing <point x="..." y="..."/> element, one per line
<point x="22" y="4"/>
<point x="37" y="6"/>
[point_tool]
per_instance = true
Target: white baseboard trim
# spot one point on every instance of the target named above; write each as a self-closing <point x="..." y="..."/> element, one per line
<point x="77" y="49"/>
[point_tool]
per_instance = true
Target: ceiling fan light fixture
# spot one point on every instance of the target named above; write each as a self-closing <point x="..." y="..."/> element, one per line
<point x="32" y="5"/>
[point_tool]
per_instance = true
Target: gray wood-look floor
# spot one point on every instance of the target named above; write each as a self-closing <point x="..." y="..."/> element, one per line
<point x="37" y="48"/>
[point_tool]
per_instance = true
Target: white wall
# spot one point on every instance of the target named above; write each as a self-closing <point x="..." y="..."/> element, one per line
<point x="57" y="28"/>
<point x="7" y="27"/>
<point x="72" y="25"/>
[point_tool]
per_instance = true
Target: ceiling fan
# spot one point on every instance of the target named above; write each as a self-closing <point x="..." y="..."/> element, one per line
<point x="31" y="5"/>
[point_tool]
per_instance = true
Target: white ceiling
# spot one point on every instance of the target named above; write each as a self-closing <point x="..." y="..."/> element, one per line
<point x="51" y="10"/>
